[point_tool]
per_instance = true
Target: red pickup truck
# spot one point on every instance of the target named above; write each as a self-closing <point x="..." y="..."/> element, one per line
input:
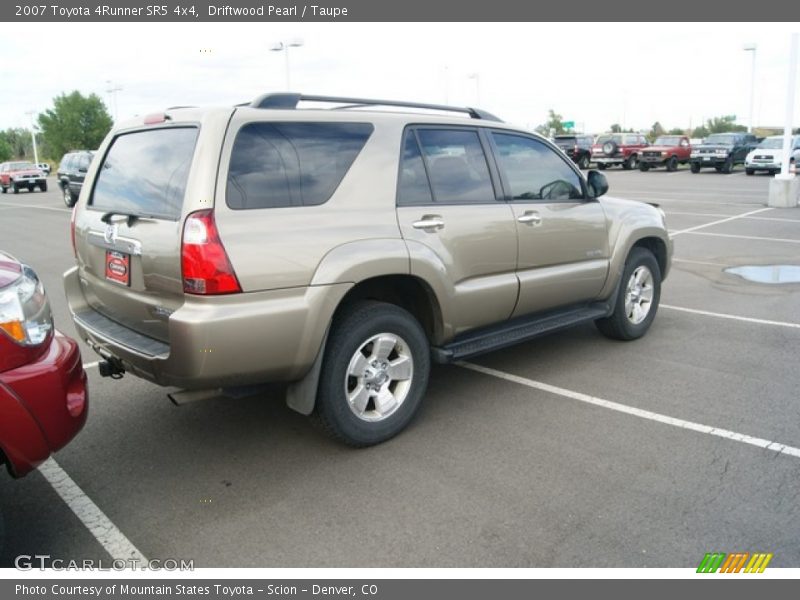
<point x="667" y="151"/>
<point x="18" y="176"/>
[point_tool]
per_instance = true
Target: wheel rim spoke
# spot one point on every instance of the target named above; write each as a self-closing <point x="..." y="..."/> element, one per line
<point x="385" y="401"/>
<point x="359" y="398"/>
<point x="400" y="368"/>
<point x="357" y="365"/>
<point x="383" y="346"/>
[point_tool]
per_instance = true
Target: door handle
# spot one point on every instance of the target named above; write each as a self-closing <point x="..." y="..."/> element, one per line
<point x="530" y="217"/>
<point x="429" y="223"/>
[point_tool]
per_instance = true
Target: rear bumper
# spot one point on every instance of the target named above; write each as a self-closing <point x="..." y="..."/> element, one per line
<point x="35" y="404"/>
<point x="608" y="160"/>
<point x="217" y="341"/>
<point x="763" y="166"/>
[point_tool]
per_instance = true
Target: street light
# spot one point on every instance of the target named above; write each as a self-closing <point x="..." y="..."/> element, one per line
<point x="112" y="90"/>
<point x="30" y="113"/>
<point x="284" y="47"/>
<point x="751" y="48"/>
<point x="477" y="78"/>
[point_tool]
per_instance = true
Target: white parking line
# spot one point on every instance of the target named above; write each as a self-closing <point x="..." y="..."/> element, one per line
<point x="718" y="222"/>
<point x="732" y="317"/>
<point x="105" y="532"/>
<point x="637" y="412"/>
<point x="15" y="205"/>
<point x="741" y="237"/>
<point x="694" y="214"/>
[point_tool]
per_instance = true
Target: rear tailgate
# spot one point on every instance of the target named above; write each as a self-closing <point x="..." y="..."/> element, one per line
<point x="128" y="225"/>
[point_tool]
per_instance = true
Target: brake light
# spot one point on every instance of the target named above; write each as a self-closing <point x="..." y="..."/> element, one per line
<point x="205" y="264"/>
<point x="155" y="118"/>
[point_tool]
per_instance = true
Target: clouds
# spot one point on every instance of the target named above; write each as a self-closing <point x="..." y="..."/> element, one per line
<point x="592" y="73"/>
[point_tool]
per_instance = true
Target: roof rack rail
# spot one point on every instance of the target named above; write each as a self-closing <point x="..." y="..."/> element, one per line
<point x="290" y="101"/>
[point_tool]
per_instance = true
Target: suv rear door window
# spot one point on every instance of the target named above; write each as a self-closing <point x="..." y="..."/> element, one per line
<point x="457" y="166"/>
<point x="276" y="165"/>
<point x="533" y="171"/>
<point x="144" y="173"/>
<point x="414" y="187"/>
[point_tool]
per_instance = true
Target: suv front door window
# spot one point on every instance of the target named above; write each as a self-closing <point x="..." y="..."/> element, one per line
<point x="563" y="248"/>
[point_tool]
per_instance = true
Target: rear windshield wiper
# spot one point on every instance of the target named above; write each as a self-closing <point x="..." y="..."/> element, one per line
<point x="106" y="218"/>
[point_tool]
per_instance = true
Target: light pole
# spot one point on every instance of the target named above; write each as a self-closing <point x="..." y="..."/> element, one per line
<point x="284" y="47"/>
<point x="112" y="90"/>
<point x="30" y="113"/>
<point x="751" y="48"/>
<point x="477" y="78"/>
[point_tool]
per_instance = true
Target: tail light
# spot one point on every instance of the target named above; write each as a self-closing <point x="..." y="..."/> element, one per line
<point x="25" y="315"/>
<point x="205" y="264"/>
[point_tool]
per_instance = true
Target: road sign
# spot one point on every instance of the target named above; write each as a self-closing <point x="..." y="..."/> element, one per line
<point x="568" y="124"/>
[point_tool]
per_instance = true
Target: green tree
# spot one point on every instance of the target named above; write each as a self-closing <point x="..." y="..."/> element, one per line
<point x="656" y="130"/>
<point x="676" y="131"/>
<point x="19" y="140"/>
<point x="554" y="122"/>
<point x="616" y="128"/>
<point x="6" y="151"/>
<point x="74" y="122"/>
<point x="700" y="132"/>
<point x="724" y="124"/>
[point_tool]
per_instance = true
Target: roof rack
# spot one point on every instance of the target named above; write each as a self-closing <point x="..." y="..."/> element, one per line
<point x="288" y="101"/>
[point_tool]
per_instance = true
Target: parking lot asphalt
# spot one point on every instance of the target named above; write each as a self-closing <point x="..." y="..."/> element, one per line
<point x="567" y="451"/>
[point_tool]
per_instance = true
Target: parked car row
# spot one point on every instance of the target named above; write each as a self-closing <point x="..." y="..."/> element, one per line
<point x="721" y="151"/>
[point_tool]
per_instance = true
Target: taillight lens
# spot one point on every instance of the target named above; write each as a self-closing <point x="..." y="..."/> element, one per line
<point x="25" y="314"/>
<point x="205" y="264"/>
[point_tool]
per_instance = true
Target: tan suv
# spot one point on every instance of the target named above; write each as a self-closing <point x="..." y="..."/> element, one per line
<point x="344" y="250"/>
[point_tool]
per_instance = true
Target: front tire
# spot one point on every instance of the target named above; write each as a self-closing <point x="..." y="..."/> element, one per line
<point x="672" y="164"/>
<point x="43" y="186"/>
<point x="637" y="298"/>
<point x="69" y="197"/>
<point x="602" y="166"/>
<point x="15" y="188"/>
<point x="727" y="168"/>
<point x="644" y="167"/>
<point x="374" y="374"/>
<point x="695" y="167"/>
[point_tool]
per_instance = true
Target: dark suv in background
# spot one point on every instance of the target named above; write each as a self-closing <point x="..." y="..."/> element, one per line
<point x="72" y="172"/>
<point x="723" y="151"/>
<point x="578" y="147"/>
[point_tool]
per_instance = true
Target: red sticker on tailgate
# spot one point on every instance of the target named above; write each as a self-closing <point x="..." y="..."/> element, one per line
<point x="118" y="267"/>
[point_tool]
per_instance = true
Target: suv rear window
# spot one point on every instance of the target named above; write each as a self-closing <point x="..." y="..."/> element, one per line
<point x="144" y="173"/>
<point x="277" y="165"/>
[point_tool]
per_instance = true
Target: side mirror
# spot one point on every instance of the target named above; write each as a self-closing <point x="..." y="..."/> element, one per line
<point x="597" y="184"/>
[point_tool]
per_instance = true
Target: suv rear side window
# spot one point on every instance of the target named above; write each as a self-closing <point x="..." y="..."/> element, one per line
<point x="276" y="165"/>
<point x="457" y="166"/>
<point x="144" y="173"/>
<point x="414" y="187"/>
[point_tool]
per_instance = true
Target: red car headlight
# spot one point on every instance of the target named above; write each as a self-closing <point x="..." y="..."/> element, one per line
<point x="25" y="314"/>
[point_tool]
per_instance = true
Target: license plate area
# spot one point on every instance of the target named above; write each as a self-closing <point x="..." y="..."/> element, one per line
<point x="118" y="267"/>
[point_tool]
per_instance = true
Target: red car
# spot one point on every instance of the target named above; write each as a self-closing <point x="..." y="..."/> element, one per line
<point x="43" y="395"/>
<point x="667" y="151"/>
<point x="18" y="176"/>
<point x="618" y="149"/>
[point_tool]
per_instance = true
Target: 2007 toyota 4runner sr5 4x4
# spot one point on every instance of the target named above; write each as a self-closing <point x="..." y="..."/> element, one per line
<point x="344" y="250"/>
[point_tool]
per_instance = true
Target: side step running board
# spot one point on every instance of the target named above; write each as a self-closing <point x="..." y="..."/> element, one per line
<point x="516" y="330"/>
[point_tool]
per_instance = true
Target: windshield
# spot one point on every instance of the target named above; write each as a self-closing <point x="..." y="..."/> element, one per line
<point x="668" y="141"/>
<point x="773" y="143"/>
<point x="20" y="166"/>
<point x="609" y="138"/>
<point x="724" y="139"/>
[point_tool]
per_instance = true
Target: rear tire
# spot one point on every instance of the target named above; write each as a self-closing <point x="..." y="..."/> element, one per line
<point x="695" y="167"/>
<point x="374" y="374"/>
<point x="602" y="166"/>
<point x="630" y="162"/>
<point x="637" y="299"/>
<point x="583" y="162"/>
<point x="750" y="171"/>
